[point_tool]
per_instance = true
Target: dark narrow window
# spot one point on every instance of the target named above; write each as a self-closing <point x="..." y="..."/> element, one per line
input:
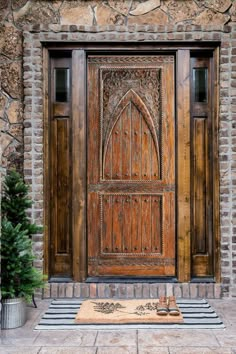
<point x="62" y="84"/>
<point x="200" y="77"/>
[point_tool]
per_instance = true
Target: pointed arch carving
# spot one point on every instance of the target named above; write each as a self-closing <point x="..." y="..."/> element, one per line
<point x="131" y="149"/>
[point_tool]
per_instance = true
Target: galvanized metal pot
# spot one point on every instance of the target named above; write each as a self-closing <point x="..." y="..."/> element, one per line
<point x="13" y="313"/>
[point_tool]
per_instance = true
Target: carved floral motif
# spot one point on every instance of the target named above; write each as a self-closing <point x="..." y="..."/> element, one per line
<point x="145" y="82"/>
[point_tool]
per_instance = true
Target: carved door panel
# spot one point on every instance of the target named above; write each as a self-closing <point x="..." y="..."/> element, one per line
<point x="131" y="166"/>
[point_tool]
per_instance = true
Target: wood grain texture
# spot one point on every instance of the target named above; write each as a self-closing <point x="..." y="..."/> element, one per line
<point x="131" y="223"/>
<point x="60" y="180"/>
<point x="202" y="174"/>
<point x="130" y="137"/>
<point x="152" y="154"/>
<point x="63" y="186"/>
<point x="125" y="158"/>
<point x="79" y="166"/>
<point x="183" y="199"/>
<point x="199" y="186"/>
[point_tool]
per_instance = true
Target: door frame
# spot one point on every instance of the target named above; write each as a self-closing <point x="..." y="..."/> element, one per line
<point x="182" y="119"/>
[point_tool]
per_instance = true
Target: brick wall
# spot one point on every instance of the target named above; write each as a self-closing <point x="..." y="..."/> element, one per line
<point x="132" y="290"/>
<point x="128" y="20"/>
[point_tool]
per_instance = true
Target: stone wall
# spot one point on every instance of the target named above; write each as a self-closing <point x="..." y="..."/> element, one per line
<point x="14" y="14"/>
<point x="128" y="20"/>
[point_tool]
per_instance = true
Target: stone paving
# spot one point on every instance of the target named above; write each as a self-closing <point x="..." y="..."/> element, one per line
<point x="26" y="340"/>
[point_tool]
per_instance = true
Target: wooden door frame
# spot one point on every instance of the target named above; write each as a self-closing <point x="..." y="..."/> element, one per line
<point x="182" y="119"/>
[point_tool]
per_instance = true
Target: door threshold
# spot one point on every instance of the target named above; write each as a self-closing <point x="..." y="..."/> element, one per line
<point x="131" y="280"/>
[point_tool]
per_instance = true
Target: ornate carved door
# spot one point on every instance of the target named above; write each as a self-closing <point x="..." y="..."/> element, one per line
<point x="131" y="166"/>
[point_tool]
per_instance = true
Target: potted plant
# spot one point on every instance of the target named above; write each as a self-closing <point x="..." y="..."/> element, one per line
<point x="19" y="278"/>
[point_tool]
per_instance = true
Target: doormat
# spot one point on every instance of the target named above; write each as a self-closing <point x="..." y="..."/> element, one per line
<point x="123" y="312"/>
<point x="196" y="314"/>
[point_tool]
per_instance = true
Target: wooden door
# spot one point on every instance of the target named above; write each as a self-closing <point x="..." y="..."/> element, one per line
<point x="131" y="166"/>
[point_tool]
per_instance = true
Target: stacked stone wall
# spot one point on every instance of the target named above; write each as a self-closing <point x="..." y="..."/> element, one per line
<point x="111" y="20"/>
<point x="15" y="14"/>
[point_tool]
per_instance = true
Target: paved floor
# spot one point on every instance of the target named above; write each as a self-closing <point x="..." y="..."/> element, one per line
<point x="26" y="340"/>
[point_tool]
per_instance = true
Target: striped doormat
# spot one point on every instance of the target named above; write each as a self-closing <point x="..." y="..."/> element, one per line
<point x="197" y="314"/>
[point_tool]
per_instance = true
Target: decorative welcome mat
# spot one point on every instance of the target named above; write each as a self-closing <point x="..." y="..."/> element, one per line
<point x="196" y="314"/>
<point x="122" y="312"/>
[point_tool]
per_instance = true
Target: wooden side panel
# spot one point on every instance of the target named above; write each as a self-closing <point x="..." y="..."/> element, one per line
<point x="61" y="225"/>
<point x="60" y="180"/>
<point x="202" y="171"/>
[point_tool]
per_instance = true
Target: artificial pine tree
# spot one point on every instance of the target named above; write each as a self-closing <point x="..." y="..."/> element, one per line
<point x="15" y="202"/>
<point x="19" y="278"/>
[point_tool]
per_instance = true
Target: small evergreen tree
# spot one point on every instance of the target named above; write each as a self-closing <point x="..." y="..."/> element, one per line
<point x="19" y="278"/>
<point x="15" y="202"/>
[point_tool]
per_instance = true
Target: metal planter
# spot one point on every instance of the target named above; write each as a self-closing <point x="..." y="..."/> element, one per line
<point x="13" y="313"/>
